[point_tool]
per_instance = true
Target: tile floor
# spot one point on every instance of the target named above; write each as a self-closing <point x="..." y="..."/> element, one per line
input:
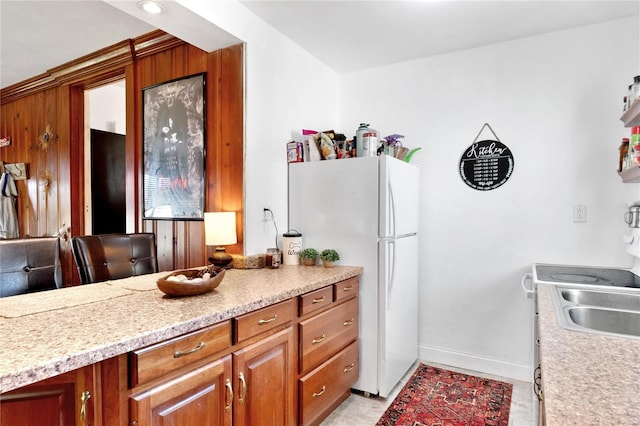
<point x="359" y="410"/>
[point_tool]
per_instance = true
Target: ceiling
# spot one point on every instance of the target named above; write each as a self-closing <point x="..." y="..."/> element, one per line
<point x="346" y="35"/>
<point x="38" y="35"/>
<point x="354" y="35"/>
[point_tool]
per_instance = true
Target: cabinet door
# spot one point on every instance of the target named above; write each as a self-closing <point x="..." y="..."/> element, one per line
<point x="202" y="397"/>
<point x="264" y="375"/>
<point x="67" y="399"/>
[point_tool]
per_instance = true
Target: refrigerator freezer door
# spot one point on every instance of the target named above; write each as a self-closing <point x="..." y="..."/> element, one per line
<point x="397" y="310"/>
<point x="398" y="197"/>
<point x="334" y="204"/>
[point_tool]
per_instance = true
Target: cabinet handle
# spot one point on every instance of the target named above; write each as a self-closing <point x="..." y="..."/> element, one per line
<point x="84" y="398"/>
<point x="229" y="397"/>
<point x="317" y="394"/>
<point x="348" y="288"/>
<point x="318" y="300"/>
<point x="537" y="383"/>
<point x="178" y="354"/>
<point x="267" y="321"/>
<point x="318" y="339"/>
<point x="243" y="388"/>
<point x="348" y="322"/>
<point x="348" y="368"/>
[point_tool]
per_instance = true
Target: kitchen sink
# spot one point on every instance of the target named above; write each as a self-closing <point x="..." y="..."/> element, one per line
<point x="587" y="277"/>
<point x="602" y="312"/>
<point x="601" y="299"/>
<point x="610" y="321"/>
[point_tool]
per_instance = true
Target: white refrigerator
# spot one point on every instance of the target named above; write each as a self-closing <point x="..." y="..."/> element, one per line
<point x="366" y="208"/>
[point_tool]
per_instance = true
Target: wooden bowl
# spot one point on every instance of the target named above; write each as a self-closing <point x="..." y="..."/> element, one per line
<point x="187" y="288"/>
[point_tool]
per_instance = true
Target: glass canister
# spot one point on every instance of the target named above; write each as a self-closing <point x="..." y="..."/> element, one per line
<point x="272" y="259"/>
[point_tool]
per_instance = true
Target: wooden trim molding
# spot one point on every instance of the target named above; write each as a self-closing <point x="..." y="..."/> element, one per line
<point x="103" y="63"/>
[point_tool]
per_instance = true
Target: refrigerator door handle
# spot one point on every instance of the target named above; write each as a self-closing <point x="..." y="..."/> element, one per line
<point x="392" y="211"/>
<point x="391" y="256"/>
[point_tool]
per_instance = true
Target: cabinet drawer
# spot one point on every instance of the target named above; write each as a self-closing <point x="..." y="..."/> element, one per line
<point x="325" y="387"/>
<point x="346" y="289"/>
<point x="156" y="360"/>
<point x="315" y="300"/>
<point x="326" y="333"/>
<point x="265" y="319"/>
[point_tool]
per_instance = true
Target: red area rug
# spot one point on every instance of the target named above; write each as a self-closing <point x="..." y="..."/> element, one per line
<point x="437" y="397"/>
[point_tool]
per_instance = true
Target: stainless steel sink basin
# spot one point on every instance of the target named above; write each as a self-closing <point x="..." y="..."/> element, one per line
<point x="586" y="277"/>
<point x="611" y="321"/>
<point x="601" y="299"/>
<point x="615" y="313"/>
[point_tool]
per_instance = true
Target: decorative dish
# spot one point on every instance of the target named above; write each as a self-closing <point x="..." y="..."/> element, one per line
<point x="190" y="282"/>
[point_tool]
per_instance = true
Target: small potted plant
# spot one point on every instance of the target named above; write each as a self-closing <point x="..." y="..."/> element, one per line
<point x="309" y="256"/>
<point x="329" y="257"/>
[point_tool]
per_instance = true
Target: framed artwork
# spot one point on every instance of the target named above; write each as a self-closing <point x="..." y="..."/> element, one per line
<point x="173" y="149"/>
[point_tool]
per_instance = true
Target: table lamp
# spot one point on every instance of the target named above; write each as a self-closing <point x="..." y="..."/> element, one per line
<point x="220" y="230"/>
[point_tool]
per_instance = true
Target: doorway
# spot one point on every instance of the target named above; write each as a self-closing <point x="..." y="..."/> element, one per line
<point x="108" y="207"/>
<point x="105" y="159"/>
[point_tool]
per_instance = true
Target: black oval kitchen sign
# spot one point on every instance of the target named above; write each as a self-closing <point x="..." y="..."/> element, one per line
<point x="486" y="165"/>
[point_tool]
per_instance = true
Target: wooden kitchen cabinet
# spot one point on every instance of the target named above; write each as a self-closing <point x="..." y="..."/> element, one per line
<point x="264" y="381"/>
<point x="201" y="396"/>
<point x="200" y="393"/>
<point x="215" y="383"/>
<point x="328" y="349"/>
<point x="68" y="399"/>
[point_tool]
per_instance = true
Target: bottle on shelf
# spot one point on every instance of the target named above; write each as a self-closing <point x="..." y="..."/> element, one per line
<point x="635" y="89"/>
<point x="634" y="146"/>
<point x="624" y="155"/>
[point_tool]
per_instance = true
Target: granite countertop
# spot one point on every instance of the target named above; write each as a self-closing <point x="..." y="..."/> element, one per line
<point x="588" y="379"/>
<point x="49" y="333"/>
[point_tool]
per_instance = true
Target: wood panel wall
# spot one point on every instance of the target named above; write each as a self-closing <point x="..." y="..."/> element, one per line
<point x="57" y="98"/>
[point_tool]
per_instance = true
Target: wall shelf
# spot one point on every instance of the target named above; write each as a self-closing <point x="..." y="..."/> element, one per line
<point x="630" y="175"/>
<point x="631" y="117"/>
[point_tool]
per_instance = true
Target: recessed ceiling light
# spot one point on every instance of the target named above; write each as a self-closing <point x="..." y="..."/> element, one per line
<point x="152" y="7"/>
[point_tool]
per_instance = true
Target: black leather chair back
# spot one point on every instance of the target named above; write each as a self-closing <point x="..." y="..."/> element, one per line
<point x="28" y="265"/>
<point x="112" y="256"/>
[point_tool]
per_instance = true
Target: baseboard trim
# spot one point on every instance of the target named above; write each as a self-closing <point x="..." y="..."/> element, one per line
<point x="510" y="370"/>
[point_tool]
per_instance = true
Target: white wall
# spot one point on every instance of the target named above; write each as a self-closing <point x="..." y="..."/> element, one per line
<point x="107" y="108"/>
<point x="286" y="90"/>
<point x="555" y="101"/>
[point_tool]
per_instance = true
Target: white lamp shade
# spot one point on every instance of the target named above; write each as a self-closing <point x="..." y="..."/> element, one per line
<point x="220" y="228"/>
